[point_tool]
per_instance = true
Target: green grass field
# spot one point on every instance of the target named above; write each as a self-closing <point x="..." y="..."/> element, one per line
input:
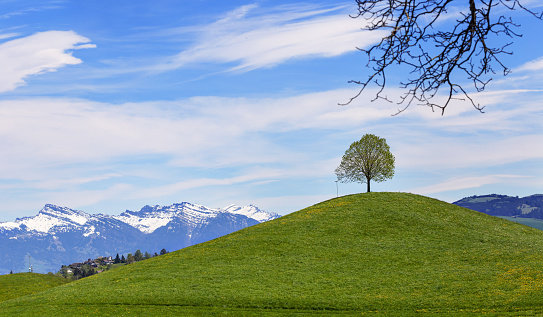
<point x="387" y="253"/>
<point x="21" y="284"/>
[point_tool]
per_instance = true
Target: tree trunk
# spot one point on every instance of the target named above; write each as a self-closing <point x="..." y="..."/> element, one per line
<point x="368" y="185"/>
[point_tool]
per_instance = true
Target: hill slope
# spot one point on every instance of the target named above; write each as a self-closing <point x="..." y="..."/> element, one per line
<point x="21" y="284"/>
<point x="384" y="252"/>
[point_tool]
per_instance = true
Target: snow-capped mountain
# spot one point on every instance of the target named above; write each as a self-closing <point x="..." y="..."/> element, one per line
<point x="251" y="212"/>
<point x="60" y="235"/>
<point x="150" y="218"/>
<point x="50" y="219"/>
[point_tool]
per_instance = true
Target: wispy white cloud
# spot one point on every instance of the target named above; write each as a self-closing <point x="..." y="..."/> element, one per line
<point x="465" y="183"/>
<point x="69" y="149"/>
<point x="252" y="38"/>
<point x="534" y="65"/>
<point x="56" y="183"/>
<point x="532" y="4"/>
<point x="80" y="198"/>
<point x="464" y="138"/>
<point x="36" y="54"/>
<point x="455" y="152"/>
<point x="4" y="36"/>
<point x="246" y="38"/>
<point x="191" y="132"/>
<point x="201" y="182"/>
<point x="53" y="5"/>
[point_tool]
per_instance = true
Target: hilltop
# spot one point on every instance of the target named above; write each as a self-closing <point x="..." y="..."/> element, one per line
<point x="391" y="253"/>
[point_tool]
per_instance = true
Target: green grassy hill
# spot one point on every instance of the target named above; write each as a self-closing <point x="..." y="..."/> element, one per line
<point x="21" y="284"/>
<point x="390" y="253"/>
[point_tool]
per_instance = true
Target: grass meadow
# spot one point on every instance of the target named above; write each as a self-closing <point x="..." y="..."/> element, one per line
<point x="374" y="253"/>
<point x="22" y="284"/>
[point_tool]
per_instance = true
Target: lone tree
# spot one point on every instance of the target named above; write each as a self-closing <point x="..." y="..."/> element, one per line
<point x="366" y="160"/>
<point x="442" y="44"/>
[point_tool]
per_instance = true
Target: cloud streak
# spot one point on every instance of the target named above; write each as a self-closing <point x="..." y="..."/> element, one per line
<point x="73" y="148"/>
<point x="190" y="132"/>
<point x="28" y="11"/>
<point x="534" y="65"/>
<point x="36" y="54"/>
<point x="251" y="39"/>
<point x="465" y="183"/>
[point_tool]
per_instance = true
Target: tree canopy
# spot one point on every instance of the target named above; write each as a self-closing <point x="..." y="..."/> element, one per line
<point x="442" y="46"/>
<point x="366" y="160"/>
<point x="138" y="256"/>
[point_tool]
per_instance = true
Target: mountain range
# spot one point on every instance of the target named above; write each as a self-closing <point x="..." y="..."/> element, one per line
<point x="60" y="235"/>
<point x="502" y="205"/>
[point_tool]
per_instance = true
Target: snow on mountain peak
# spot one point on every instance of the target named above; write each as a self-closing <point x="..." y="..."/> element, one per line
<point x="150" y="218"/>
<point x="49" y="217"/>
<point x="90" y="230"/>
<point x="145" y="224"/>
<point x="41" y="223"/>
<point x="251" y="211"/>
<point x="147" y="220"/>
<point x="65" y="213"/>
<point x="9" y="225"/>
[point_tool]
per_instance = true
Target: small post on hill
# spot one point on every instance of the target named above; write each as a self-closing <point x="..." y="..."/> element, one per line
<point x="337" y="189"/>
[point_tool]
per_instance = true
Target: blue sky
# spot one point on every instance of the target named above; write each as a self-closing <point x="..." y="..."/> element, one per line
<point x="113" y="105"/>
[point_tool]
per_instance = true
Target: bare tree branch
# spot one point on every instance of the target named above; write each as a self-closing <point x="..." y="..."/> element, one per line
<point x="438" y="57"/>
